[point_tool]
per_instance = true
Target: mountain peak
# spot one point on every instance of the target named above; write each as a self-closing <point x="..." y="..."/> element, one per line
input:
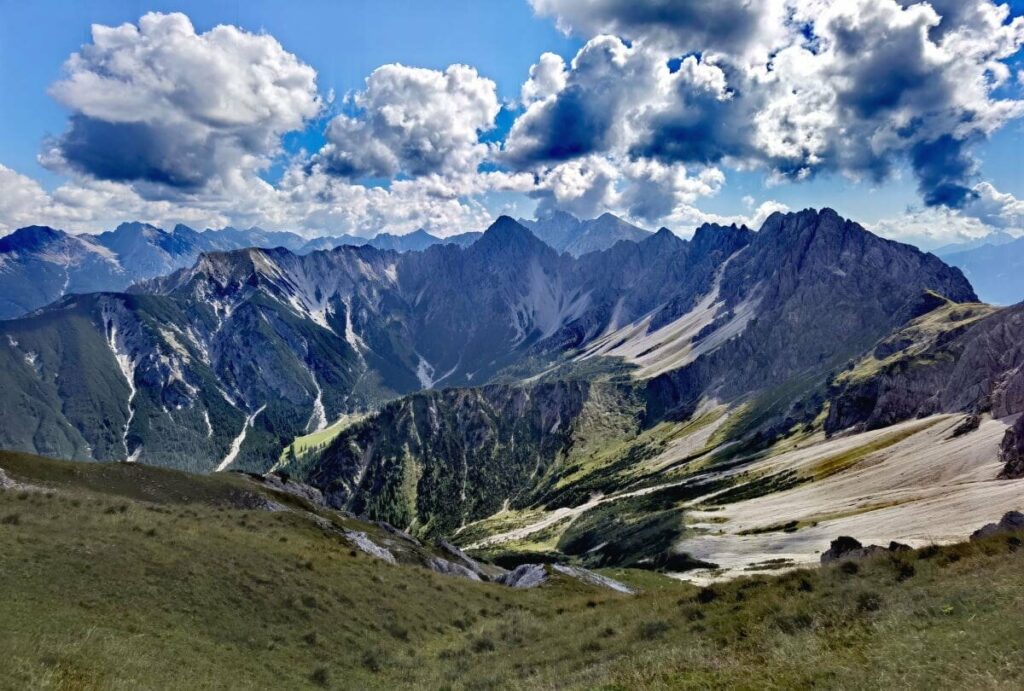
<point x="507" y="232"/>
<point x="30" y="237"/>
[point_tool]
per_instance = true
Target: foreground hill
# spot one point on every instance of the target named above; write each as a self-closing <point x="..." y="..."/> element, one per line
<point x="126" y="576"/>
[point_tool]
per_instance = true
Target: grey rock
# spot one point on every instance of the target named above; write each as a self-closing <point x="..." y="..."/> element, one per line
<point x="363" y="542"/>
<point x="1011" y="522"/>
<point x="6" y="482"/>
<point x="1011" y="451"/>
<point x="297" y="489"/>
<point x="588" y="576"/>
<point x="400" y="534"/>
<point x="845" y="547"/>
<point x="524" y="576"/>
<point x="969" y="424"/>
<point x="451" y="569"/>
<point x="462" y="558"/>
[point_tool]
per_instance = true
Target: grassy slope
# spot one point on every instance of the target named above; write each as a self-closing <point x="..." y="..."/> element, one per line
<point x="183" y="590"/>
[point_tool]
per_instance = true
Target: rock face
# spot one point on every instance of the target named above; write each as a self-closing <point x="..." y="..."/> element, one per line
<point x="463" y="559"/>
<point x="1012" y="521"/>
<point x="1011" y="451"/>
<point x="956" y="358"/>
<point x="845" y="547"/>
<point x="524" y="576"/>
<point x="816" y="290"/>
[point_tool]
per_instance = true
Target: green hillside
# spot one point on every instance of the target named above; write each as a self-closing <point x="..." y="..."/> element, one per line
<point x="118" y="576"/>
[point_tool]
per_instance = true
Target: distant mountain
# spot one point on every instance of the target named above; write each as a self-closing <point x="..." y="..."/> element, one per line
<point x="285" y="343"/>
<point x="994" y="238"/>
<point x="996" y="271"/>
<point x="38" y="265"/>
<point x="566" y="233"/>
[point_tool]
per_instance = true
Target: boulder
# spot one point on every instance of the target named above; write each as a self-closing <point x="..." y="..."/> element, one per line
<point x="524" y="576"/>
<point x="1011" y="522"/>
<point x="288" y="486"/>
<point x="845" y="547"/>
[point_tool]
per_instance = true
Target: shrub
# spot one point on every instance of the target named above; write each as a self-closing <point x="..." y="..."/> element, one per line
<point x="11" y="519"/>
<point x="869" y="602"/>
<point x="320" y="677"/>
<point x="850" y="568"/>
<point x="707" y="595"/>
<point x="483" y="644"/>
<point x="650" y="630"/>
<point x="372" y="660"/>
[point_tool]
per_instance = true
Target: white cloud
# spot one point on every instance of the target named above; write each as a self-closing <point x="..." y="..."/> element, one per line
<point x="794" y="87"/>
<point x="161" y="106"/>
<point x="547" y="78"/>
<point x="21" y="201"/>
<point x="413" y="121"/>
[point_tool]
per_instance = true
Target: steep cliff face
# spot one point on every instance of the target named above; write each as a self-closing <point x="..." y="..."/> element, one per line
<point x="955" y="358"/>
<point x="810" y="291"/>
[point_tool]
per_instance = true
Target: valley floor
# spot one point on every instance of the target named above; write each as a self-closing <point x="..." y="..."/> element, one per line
<point x="120" y="576"/>
<point x="914" y="483"/>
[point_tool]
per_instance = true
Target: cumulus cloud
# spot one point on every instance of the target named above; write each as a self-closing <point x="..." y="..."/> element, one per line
<point x="794" y="87"/>
<point x="413" y="121"/>
<point x="547" y="78"/>
<point x="159" y="104"/>
<point x="589" y="113"/>
<point x="731" y="26"/>
<point x="21" y="200"/>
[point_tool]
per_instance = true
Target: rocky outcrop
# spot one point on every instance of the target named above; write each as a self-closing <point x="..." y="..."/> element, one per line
<point x="593" y="578"/>
<point x="363" y="542"/>
<point x="1011" y="451"/>
<point x="463" y="559"/>
<point x="6" y="483"/>
<point x="1011" y="522"/>
<point x="845" y="547"/>
<point x="448" y="568"/>
<point x="524" y="576"/>
<point x="280" y="483"/>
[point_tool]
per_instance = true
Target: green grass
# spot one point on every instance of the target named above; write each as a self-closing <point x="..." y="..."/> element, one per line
<point x="104" y="589"/>
<point x="318" y="440"/>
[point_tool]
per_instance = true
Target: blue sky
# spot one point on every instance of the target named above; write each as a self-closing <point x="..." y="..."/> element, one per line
<point x="344" y="42"/>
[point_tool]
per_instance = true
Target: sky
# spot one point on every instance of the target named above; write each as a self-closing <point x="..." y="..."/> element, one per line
<point x="389" y="115"/>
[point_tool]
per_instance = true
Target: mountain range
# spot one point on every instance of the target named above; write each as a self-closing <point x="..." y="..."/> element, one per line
<point x="504" y="390"/>
<point x="995" y="268"/>
<point x="39" y="264"/>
